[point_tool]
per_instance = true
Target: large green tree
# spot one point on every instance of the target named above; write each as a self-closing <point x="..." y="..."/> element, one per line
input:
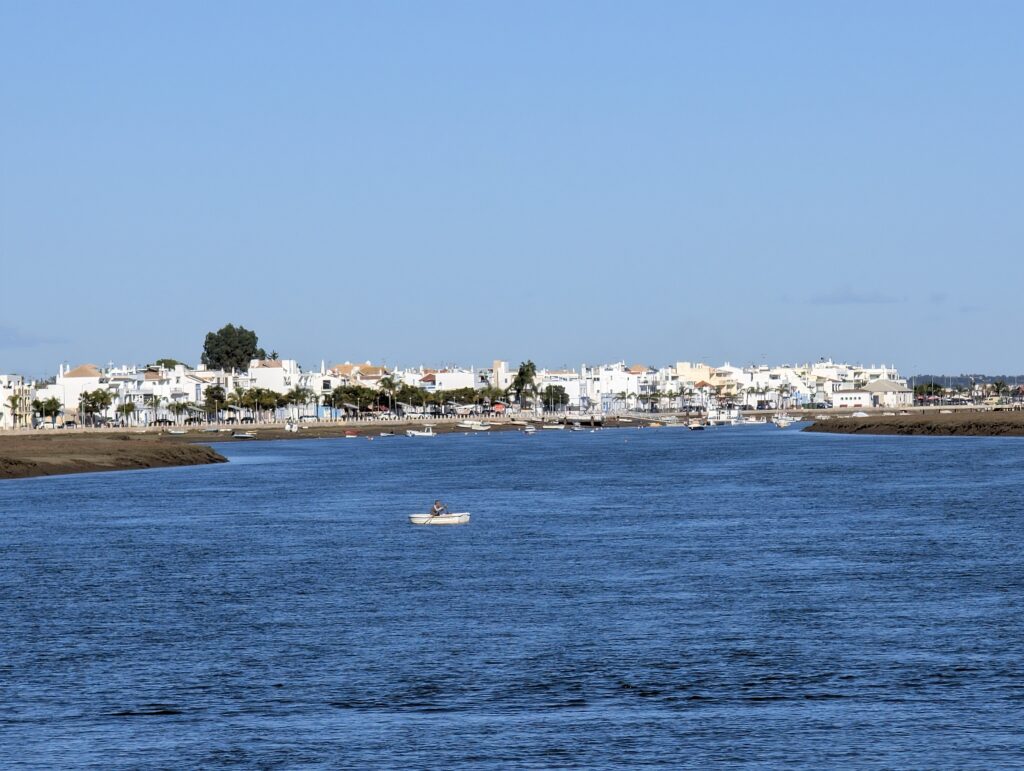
<point x="96" y="402"/>
<point x="214" y="398"/>
<point x="554" y="396"/>
<point x="231" y="347"/>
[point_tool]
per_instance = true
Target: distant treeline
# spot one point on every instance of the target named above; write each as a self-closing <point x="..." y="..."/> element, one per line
<point x="963" y="381"/>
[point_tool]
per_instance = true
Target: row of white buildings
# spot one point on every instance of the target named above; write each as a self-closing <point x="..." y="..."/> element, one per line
<point x="155" y="391"/>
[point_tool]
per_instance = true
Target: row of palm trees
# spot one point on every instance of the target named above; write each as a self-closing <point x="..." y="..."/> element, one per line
<point x="683" y="398"/>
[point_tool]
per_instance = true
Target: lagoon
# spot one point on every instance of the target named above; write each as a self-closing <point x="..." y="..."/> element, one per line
<point x="743" y="596"/>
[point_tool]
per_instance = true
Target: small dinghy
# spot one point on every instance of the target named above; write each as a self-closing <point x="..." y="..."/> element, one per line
<point x="459" y="518"/>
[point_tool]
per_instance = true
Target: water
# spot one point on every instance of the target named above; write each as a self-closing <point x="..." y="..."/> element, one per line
<point x="740" y="596"/>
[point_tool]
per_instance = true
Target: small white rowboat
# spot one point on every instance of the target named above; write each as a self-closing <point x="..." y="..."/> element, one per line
<point x="441" y="519"/>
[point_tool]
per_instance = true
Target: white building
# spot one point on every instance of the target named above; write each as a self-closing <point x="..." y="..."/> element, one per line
<point x="16" y="398"/>
<point x="278" y="375"/>
<point x="890" y="393"/>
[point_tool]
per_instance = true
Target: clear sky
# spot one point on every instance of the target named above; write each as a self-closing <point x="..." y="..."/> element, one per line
<point x="456" y="182"/>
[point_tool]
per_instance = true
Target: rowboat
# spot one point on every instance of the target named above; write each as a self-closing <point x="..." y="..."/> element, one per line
<point x="243" y="435"/>
<point x="460" y="518"/>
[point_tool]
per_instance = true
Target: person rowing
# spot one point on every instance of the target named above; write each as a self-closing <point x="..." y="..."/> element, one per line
<point x="439" y="509"/>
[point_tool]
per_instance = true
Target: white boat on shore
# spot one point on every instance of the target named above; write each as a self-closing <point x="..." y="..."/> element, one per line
<point x="460" y="518"/>
<point x="243" y="435"/>
<point x="428" y="431"/>
<point x="554" y="426"/>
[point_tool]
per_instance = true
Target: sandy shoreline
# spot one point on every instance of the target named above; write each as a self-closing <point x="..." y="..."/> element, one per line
<point x="47" y="453"/>
<point x="33" y="455"/>
<point x="931" y="424"/>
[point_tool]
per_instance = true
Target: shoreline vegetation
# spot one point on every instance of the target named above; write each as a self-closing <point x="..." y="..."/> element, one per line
<point x="48" y="453"/>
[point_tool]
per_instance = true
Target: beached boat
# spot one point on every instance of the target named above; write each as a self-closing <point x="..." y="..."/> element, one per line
<point x="553" y="426"/>
<point x="177" y="431"/>
<point x="243" y="435"/>
<point x="460" y="518"/>
<point x="428" y="431"/>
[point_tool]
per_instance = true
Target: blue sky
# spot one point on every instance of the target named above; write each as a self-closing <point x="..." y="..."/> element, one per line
<point x="456" y="182"/>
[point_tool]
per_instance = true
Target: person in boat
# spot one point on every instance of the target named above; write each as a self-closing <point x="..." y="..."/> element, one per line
<point x="439" y="509"/>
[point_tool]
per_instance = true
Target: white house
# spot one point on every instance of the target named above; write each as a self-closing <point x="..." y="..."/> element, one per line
<point x="890" y="393"/>
<point x="279" y="375"/>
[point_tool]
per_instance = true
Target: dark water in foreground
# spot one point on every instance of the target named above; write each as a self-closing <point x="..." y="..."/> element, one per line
<point x="740" y="596"/>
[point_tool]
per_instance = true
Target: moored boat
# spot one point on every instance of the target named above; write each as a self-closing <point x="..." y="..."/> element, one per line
<point x="783" y="420"/>
<point x="428" y="431"/>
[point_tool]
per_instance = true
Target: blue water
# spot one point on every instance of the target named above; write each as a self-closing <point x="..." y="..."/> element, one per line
<point x="748" y="597"/>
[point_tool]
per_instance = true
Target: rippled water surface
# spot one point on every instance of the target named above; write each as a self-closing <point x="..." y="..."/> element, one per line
<point x="626" y="597"/>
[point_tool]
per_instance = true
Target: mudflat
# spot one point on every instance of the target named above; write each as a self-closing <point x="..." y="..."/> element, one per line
<point x="66" y="452"/>
<point x="953" y="424"/>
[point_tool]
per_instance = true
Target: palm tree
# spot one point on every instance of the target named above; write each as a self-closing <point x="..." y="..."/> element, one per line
<point x="389" y="385"/>
<point x="177" y="408"/>
<point x="784" y="392"/>
<point x="155" y="401"/>
<point x="13" y="401"/>
<point x="525" y="380"/>
<point x="127" y="409"/>
<point x="297" y="396"/>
